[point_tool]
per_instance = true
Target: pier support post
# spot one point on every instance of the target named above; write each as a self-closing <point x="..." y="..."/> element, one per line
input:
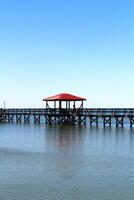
<point x="48" y="119"/>
<point x="131" y="119"/>
<point x="18" y="118"/>
<point x="36" y="119"/>
<point x="26" y="118"/>
<point x="10" y="117"/>
<point x="119" y="121"/>
<point x="93" y="120"/>
<point x="81" y="120"/>
<point x="107" y="121"/>
<point x="2" y="118"/>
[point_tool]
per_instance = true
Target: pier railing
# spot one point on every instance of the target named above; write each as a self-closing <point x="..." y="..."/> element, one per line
<point x="85" y="111"/>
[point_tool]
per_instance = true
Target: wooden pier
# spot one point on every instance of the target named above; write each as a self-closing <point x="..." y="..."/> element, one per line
<point x="81" y="117"/>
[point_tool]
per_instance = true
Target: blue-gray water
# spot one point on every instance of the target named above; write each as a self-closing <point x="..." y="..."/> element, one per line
<point x="40" y="162"/>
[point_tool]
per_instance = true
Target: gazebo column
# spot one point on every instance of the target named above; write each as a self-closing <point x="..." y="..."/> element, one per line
<point x="59" y="106"/>
<point x="55" y="106"/>
<point x="66" y="108"/>
<point x="74" y="105"/>
<point x="46" y="104"/>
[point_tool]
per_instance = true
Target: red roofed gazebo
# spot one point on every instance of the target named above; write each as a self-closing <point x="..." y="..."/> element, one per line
<point x="68" y="99"/>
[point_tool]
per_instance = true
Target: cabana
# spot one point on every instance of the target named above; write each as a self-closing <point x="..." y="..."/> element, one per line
<point x="64" y="103"/>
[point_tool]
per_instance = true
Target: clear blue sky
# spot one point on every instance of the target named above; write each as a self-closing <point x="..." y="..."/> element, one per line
<point x="83" y="47"/>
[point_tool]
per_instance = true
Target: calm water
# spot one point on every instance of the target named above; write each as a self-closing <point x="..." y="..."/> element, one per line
<point x="41" y="162"/>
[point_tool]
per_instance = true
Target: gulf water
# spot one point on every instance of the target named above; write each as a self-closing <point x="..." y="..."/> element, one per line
<point x="40" y="162"/>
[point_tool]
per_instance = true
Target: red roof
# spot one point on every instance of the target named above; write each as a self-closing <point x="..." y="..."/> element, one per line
<point x="64" y="97"/>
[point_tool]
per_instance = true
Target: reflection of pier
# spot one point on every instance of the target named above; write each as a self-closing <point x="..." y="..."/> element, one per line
<point x="93" y="117"/>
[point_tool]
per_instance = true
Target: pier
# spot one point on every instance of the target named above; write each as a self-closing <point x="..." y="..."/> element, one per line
<point x="67" y="109"/>
<point x="81" y="117"/>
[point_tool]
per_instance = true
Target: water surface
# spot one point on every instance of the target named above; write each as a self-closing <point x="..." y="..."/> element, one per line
<point x="66" y="162"/>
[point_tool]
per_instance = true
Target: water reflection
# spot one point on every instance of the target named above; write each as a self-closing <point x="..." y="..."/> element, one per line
<point x="64" y="137"/>
<point x="88" y="139"/>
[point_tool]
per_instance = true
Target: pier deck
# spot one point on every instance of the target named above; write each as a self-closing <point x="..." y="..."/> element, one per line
<point x="92" y="116"/>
